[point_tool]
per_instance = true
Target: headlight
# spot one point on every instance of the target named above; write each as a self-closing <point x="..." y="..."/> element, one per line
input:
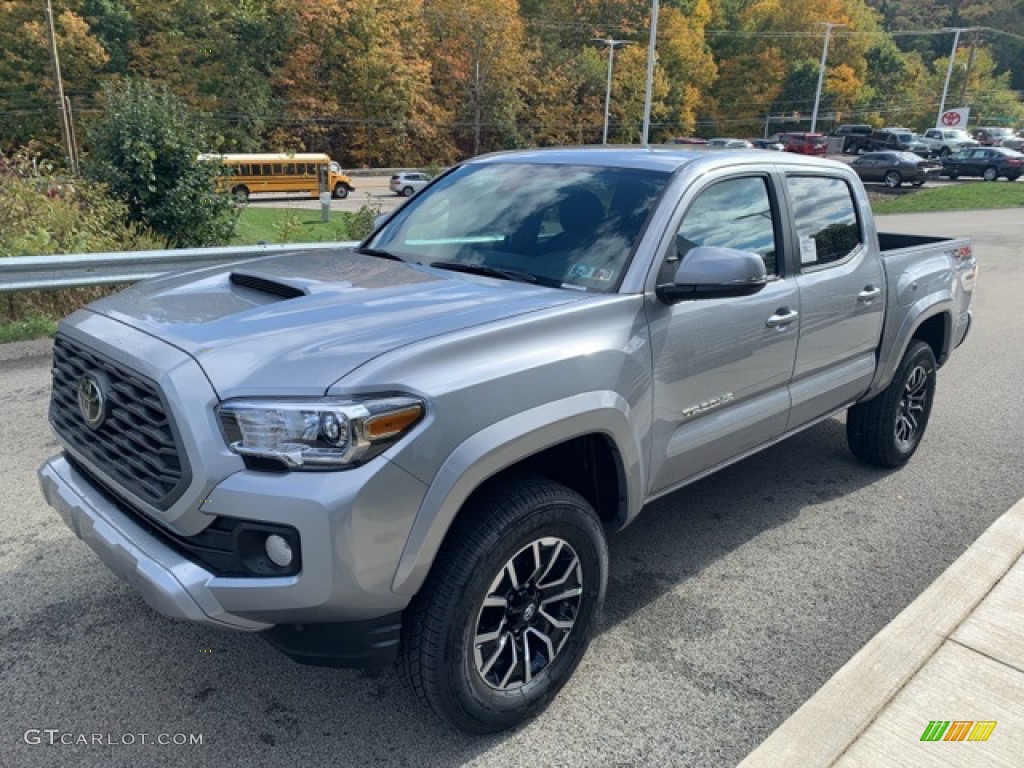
<point x="328" y="433"/>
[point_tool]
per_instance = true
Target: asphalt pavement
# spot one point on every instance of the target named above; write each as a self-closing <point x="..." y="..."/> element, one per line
<point x="730" y="604"/>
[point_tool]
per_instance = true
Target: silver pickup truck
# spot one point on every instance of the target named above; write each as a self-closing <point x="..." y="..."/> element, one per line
<point x="414" y="450"/>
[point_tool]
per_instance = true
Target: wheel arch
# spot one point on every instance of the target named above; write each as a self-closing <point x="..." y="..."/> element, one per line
<point x="933" y="326"/>
<point x="587" y="442"/>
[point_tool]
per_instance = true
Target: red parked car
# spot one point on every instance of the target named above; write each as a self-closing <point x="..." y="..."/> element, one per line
<point x="805" y="143"/>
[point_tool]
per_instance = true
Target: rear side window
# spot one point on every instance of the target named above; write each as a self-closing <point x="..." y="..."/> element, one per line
<point x="826" y="219"/>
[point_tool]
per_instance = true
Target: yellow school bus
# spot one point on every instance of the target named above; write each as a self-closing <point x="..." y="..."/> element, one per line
<point x="302" y="172"/>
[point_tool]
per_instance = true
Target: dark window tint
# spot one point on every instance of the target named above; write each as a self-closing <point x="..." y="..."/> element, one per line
<point x="268" y="170"/>
<point x="289" y="169"/>
<point x="736" y="213"/>
<point x="257" y="170"/>
<point x="826" y="219"/>
<point x="243" y="169"/>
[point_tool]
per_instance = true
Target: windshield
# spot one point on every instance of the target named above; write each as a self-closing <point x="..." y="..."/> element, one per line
<point x="565" y="226"/>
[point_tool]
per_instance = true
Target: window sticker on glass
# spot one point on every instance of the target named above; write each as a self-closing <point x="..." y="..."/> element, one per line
<point x="808" y="250"/>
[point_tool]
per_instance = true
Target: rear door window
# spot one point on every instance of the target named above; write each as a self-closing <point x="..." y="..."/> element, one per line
<point x="825" y="215"/>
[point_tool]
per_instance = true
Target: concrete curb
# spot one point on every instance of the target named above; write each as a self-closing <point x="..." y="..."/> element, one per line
<point x="825" y="727"/>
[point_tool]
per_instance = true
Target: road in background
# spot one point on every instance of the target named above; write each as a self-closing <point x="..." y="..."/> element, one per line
<point x="729" y="603"/>
<point x="370" y="190"/>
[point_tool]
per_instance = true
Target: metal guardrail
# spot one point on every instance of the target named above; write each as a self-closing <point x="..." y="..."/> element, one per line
<point x="26" y="273"/>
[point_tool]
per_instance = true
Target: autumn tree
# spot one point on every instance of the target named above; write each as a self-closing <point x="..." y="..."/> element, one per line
<point x="28" y="97"/>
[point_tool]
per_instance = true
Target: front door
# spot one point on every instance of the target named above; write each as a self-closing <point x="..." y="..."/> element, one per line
<point x="722" y="365"/>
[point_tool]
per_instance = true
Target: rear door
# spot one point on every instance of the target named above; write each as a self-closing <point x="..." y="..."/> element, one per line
<point x="841" y="285"/>
<point x="722" y="366"/>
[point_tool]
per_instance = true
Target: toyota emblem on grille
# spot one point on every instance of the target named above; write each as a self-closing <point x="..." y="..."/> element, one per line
<point x="92" y="401"/>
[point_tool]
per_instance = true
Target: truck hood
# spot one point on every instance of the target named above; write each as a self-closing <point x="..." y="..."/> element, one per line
<point x="296" y="323"/>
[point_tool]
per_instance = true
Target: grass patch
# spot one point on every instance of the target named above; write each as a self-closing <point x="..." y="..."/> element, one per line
<point x="30" y="328"/>
<point x="963" y="196"/>
<point x="293" y="225"/>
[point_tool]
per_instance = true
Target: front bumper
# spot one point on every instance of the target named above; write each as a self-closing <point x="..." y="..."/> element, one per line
<point x="168" y="582"/>
<point x="351" y="528"/>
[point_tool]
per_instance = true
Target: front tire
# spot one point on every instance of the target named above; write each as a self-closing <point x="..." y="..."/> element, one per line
<point x="886" y="430"/>
<point x="990" y="174"/>
<point x="340" y="191"/>
<point x="509" y="606"/>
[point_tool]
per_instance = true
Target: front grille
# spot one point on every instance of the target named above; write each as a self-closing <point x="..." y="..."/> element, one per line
<point x="136" y="445"/>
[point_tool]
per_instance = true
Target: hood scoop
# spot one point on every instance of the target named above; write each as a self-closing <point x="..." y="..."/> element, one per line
<point x="276" y="287"/>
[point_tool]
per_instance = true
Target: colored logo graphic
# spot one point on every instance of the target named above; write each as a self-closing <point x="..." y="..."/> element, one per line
<point x="958" y="730"/>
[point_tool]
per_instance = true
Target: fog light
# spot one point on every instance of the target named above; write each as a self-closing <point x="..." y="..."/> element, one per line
<point x="278" y="550"/>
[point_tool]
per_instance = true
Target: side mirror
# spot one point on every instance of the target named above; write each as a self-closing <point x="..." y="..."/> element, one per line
<point x="708" y="272"/>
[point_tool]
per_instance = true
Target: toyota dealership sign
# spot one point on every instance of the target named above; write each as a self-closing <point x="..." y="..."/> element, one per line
<point x="954" y="118"/>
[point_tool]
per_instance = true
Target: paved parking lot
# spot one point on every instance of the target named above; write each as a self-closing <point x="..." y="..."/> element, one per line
<point x="729" y="604"/>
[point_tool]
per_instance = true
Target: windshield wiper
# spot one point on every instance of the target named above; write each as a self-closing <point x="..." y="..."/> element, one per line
<point x="486" y="271"/>
<point x="379" y="253"/>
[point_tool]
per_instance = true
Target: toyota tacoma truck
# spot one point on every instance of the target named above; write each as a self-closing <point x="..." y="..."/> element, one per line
<point x="413" y="450"/>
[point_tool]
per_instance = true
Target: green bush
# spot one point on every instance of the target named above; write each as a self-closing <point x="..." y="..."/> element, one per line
<point x="41" y="213"/>
<point x="146" y="149"/>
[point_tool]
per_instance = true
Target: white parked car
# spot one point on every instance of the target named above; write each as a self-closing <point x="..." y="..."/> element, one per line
<point x="408" y="183"/>
<point x="730" y="143"/>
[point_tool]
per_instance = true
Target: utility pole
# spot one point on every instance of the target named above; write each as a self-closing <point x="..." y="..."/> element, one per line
<point x="650" y="70"/>
<point x="65" y="125"/>
<point x="821" y="71"/>
<point x="970" y="65"/>
<point x="949" y="72"/>
<point x="608" y="88"/>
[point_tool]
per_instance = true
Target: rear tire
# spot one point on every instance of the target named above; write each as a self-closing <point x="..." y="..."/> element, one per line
<point x="990" y="174"/>
<point x="893" y="179"/>
<point x="886" y="430"/>
<point x="407" y="192"/>
<point x="509" y="606"/>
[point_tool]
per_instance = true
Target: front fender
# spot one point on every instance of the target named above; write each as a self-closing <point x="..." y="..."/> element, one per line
<point x="505" y="443"/>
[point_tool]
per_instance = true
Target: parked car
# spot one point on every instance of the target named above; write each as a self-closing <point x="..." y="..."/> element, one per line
<point x="898" y="139"/>
<point x="853" y="136"/>
<point x="414" y="450"/>
<point x="408" y="183"/>
<point x="946" y="141"/>
<point x="988" y="162"/>
<point x="769" y="143"/>
<point x="997" y="137"/>
<point x="805" y="143"/>
<point x="895" y="168"/>
<point x="688" y="140"/>
<point x="723" y="143"/>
